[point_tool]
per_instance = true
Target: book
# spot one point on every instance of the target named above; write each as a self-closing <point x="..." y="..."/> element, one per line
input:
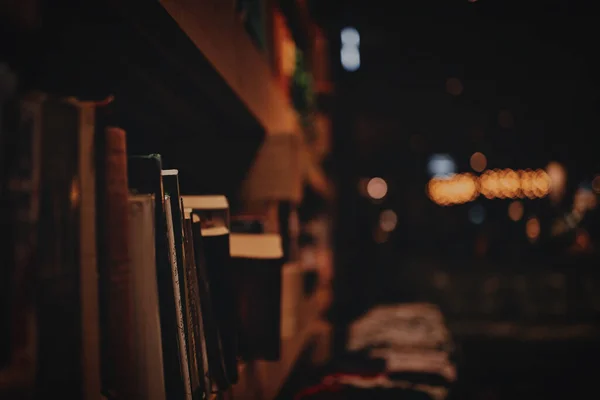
<point x="213" y="212"/>
<point x="181" y="336"/>
<point x="145" y="177"/>
<point x="214" y="349"/>
<point x="20" y="168"/>
<point x="256" y="262"/>
<point x="116" y="288"/>
<point x="195" y="309"/>
<point x="149" y="380"/>
<point x="188" y="288"/>
<point x="67" y="283"/>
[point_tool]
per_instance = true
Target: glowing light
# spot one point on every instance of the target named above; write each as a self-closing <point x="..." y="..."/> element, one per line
<point x="478" y="162"/>
<point x="558" y="181"/>
<point x="456" y="189"/>
<point x="492" y="184"/>
<point x="350" y="58"/>
<point x="477" y="214"/>
<point x="350" y="37"/>
<point x="584" y="200"/>
<point x="441" y="165"/>
<point x="388" y="220"/>
<point x="515" y="210"/>
<point x="377" y="188"/>
<point x="349" y="54"/>
<point x="380" y="236"/>
<point x="454" y="86"/>
<point x="532" y="228"/>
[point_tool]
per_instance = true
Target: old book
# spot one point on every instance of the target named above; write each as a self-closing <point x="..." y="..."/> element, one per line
<point x="20" y="166"/>
<point x="149" y="379"/>
<point x="256" y="261"/>
<point x="66" y="292"/>
<point x="181" y="334"/>
<point x="214" y="221"/>
<point x="214" y="348"/>
<point x="116" y="297"/>
<point x="186" y="287"/>
<point x="195" y="309"/>
<point x="145" y="177"/>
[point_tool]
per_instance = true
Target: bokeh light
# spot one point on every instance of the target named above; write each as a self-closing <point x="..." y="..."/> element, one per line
<point x="478" y="162"/>
<point x="377" y="188"/>
<point x="515" y="210"/>
<point x="532" y="228"/>
<point x="388" y="220"/>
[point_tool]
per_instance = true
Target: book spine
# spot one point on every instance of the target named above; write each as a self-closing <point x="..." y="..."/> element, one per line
<point x="145" y="176"/>
<point x="171" y="184"/>
<point x="214" y="347"/>
<point x="178" y="307"/>
<point x="195" y="312"/>
<point x="20" y="166"/>
<point x="58" y="291"/>
<point x="191" y="334"/>
<point x="87" y="252"/>
<point x="149" y="356"/>
<point x="119" y="297"/>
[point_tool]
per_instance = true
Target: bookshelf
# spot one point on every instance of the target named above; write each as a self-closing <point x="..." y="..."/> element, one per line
<point x="265" y="378"/>
<point x="185" y="81"/>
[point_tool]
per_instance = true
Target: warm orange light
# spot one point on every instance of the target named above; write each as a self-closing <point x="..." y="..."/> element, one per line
<point x="584" y="201"/>
<point x="493" y="184"/>
<point x="377" y="188"/>
<point x="478" y="162"/>
<point x="457" y="189"/>
<point x="558" y="181"/>
<point x="515" y="210"/>
<point x="388" y="220"/>
<point x="532" y="229"/>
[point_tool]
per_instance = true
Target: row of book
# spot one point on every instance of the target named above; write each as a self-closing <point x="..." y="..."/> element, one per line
<point x="114" y="284"/>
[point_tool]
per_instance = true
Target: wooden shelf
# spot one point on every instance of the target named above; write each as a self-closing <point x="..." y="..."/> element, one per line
<point x="262" y="380"/>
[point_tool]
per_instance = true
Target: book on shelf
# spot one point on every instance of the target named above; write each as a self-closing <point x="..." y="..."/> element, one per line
<point x="145" y="177"/>
<point x="214" y="349"/>
<point x="187" y="287"/>
<point x="213" y="212"/>
<point x="196" y="325"/>
<point x="181" y="336"/>
<point x="149" y="378"/>
<point x="20" y="169"/>
<point x="114" y="267"/>
<point x="66" y="272"/>
<point x="256" y="262"/>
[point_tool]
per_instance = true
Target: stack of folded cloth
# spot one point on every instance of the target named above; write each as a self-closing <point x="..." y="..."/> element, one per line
<point x="401" y="351"/>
